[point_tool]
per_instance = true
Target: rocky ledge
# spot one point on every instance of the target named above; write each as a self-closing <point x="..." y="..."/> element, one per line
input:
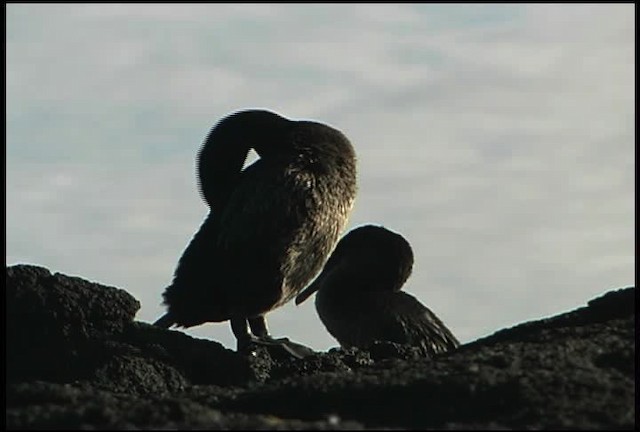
<point x="76" y="358"/>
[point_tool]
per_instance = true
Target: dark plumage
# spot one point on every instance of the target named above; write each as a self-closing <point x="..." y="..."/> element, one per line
<point x="359" y="299"/>
<point x="271" y="226"/>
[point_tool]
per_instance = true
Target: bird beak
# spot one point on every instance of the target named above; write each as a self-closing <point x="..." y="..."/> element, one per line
<point x="306" y="293"/>
<point x="331" y="269"/>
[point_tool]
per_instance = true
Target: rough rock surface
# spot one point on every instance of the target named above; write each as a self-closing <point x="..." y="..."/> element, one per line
<point x="77" y="359"/>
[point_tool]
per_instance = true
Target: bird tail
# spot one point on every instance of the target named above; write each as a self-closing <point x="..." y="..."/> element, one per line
<point x="165" y="321"/>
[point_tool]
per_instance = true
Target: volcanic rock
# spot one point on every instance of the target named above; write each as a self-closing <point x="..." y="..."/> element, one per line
<point x="76" y="358"/>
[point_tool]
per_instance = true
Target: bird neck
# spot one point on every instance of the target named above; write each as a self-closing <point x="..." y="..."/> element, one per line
<point x="225" y="150"/>
<point x="220" y="162"/>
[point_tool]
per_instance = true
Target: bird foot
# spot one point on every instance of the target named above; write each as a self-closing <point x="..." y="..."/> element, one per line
<point x="275" y="346"/>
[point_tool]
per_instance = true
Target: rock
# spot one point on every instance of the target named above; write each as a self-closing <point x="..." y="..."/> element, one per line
<point x="77" y="359"/>
<point x="200" y="361"/>
<point x="614" y="304"/>
<point x="137" y="375"/>
<point x="65" y="329"/>
<point x="64" y="406"/>
<point x="555" y="377"/>
<point x="52" y="320"/>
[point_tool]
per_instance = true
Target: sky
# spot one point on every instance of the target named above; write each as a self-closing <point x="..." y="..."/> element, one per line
<point x="497" y="138"/>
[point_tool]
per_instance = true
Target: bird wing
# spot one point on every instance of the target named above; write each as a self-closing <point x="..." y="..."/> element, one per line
<point x="264" y="215"/>
<point x="422" y="326"/>
<point x="403" y="319"/>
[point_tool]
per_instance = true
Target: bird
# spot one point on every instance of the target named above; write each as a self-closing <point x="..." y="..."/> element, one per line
<point x="271" y="225"/>
<point x="359" y="298"/>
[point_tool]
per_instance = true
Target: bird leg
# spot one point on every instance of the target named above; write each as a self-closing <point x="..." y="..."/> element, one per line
<point x="259" y="326"/>
<point x="243" y="336"/>
<point x="259" y="336"/>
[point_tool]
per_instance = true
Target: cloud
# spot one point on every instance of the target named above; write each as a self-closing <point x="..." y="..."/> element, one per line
<point x="497" y="138"/>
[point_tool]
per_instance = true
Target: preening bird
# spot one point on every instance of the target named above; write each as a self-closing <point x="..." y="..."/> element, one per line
<point x="271" y="225"/>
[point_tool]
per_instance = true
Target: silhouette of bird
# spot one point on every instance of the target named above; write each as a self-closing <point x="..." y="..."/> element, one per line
<point x="271" y="225"/>
<point x="359" y="299"/>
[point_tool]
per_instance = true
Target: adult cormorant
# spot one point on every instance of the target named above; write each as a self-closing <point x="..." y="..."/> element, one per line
<point x="270" y="227"/>
<point x="359" y="299"/>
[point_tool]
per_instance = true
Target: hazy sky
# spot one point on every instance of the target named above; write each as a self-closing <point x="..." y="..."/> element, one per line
<point x="498" y="139"/>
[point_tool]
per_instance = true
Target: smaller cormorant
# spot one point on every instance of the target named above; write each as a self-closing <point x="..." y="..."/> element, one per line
<point x="359" y="299"/>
